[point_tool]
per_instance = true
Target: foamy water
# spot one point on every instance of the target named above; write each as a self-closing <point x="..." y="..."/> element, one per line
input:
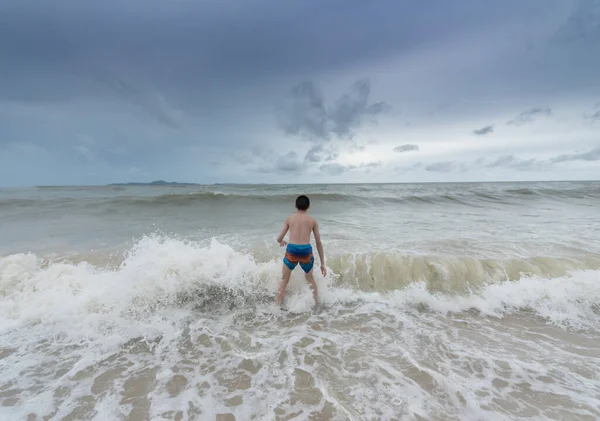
<point x="471" y="302"/>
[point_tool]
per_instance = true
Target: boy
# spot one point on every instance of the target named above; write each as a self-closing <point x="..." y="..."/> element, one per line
<point x="299" y="249"/>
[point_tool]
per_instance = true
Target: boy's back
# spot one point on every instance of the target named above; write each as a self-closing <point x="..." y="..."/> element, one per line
<point x="301" y="226"/>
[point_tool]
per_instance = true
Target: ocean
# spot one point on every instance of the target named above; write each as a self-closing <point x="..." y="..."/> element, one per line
<point x="442" y="302"/>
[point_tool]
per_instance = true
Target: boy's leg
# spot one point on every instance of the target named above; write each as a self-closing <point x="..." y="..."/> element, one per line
<point x="311" y="280"/>
<point x="285" y="278"/>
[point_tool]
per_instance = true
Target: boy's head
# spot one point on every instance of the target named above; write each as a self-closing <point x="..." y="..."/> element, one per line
<point x="302" y="203"/>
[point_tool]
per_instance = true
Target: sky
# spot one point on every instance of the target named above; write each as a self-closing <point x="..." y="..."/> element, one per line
<point x="308" y="91"/>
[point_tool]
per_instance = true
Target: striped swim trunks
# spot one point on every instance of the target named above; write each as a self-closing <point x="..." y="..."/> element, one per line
<point x="299" y="253"/>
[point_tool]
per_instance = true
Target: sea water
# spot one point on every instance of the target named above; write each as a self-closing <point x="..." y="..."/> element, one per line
<point x="441" y="302"/>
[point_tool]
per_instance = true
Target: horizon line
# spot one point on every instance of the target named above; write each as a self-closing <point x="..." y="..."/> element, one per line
<point x="189" y="184"/>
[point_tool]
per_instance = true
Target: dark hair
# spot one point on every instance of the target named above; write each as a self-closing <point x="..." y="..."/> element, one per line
<point x="302" y="203"/>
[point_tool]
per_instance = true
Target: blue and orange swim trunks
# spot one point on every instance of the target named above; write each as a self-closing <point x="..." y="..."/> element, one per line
<point x="299" y="253"/>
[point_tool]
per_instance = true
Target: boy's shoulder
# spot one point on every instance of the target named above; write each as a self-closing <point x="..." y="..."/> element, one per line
<point x="304" y="217"/>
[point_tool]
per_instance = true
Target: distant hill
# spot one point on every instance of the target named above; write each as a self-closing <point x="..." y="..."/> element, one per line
<point x="155" y="183"/>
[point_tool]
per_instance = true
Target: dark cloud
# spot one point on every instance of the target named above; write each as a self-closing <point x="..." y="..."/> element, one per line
<point x="483" y="131"/>
<point x="258" y="150"/>
<point x="197" y="51"/>
<point x="213" y="44"/>
<point x="529" y="116"/>
<point x="332" y="156"/>
<point x="334" y="168"/>
<point x="591" y="155"/>
<point x="289" y="162"/>
<point x="321" y="152"/>
<point x="314" y="154"/>
<point x="305" y="113"/>
<point x="582" y="24"/>
<point x="406" y="148"/>
<point x="353" y="109"/>
<point x="154" y="104"/>
<point x="445" y="166"/>
<point x="593" y="117"/>
<point x="207" y="76"/>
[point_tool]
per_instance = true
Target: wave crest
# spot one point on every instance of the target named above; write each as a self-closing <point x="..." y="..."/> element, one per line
<point x="172" y="274"/>
<point x="449" y="274"/>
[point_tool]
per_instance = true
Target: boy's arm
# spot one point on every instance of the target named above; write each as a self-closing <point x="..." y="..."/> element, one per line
<point x="284" y="230"/>
<point x="319" y="245"/>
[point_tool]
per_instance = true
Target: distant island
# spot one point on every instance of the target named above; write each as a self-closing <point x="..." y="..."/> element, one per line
<point x="155" y="183"/>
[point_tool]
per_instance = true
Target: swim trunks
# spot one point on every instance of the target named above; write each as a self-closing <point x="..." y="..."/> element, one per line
<point x="299" y="253"/>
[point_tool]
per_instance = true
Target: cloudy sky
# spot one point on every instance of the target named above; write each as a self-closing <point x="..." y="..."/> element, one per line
<point x="298" y="91"/>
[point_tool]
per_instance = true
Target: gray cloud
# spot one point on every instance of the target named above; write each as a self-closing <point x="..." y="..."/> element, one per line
<point x="512" y="162"/>
<point x="289" y="162"/>
<point x="531" y="165"/>
<point x="529" y="116"/>
<point x="87" y="152"/>
<point x="355" y="147"/>
<point x="407" y="168"/>
<point x="483" y="131"/>
<point x="332" y="156"/>
<point x="468" y="166"/>
<point x="507" y="161"/>
<point x="334" y="168"/>
<point x="258" y="150"/>
<point x="367" y="165"/>
<point x="445" y="166"/>
<point x="314" y="154"/>
<point x="305" y="113"/>
<point x="154" y="104"/>
<point x="352" y="109"/>
<point x="337" y="169"/>
<point x="591" y="155"/>
<point x="211" y="73"/>
<point x="321" y="152"/>
<point x="503" y="161"/>
<point x="406" y="148"/>
<point x="206" y="43"/>
<point x="593" y="117"/>
<point x="582" y="24"/>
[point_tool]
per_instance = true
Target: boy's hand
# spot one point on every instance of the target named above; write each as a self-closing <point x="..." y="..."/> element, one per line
<point x="323" y="270"/>
<point x="282" y="243"/>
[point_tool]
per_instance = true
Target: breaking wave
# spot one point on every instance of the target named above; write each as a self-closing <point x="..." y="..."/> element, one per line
<point x="169" y="274"/>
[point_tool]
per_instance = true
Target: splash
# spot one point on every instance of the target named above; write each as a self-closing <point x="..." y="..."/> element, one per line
<point x="165" y="274"/>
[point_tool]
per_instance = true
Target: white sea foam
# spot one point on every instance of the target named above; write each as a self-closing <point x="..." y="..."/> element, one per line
<point x="162" y="272"/>
<point x="188" y="331"/>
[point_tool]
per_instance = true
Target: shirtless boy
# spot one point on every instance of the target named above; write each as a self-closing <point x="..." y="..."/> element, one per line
<point x="299" y="250"/>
